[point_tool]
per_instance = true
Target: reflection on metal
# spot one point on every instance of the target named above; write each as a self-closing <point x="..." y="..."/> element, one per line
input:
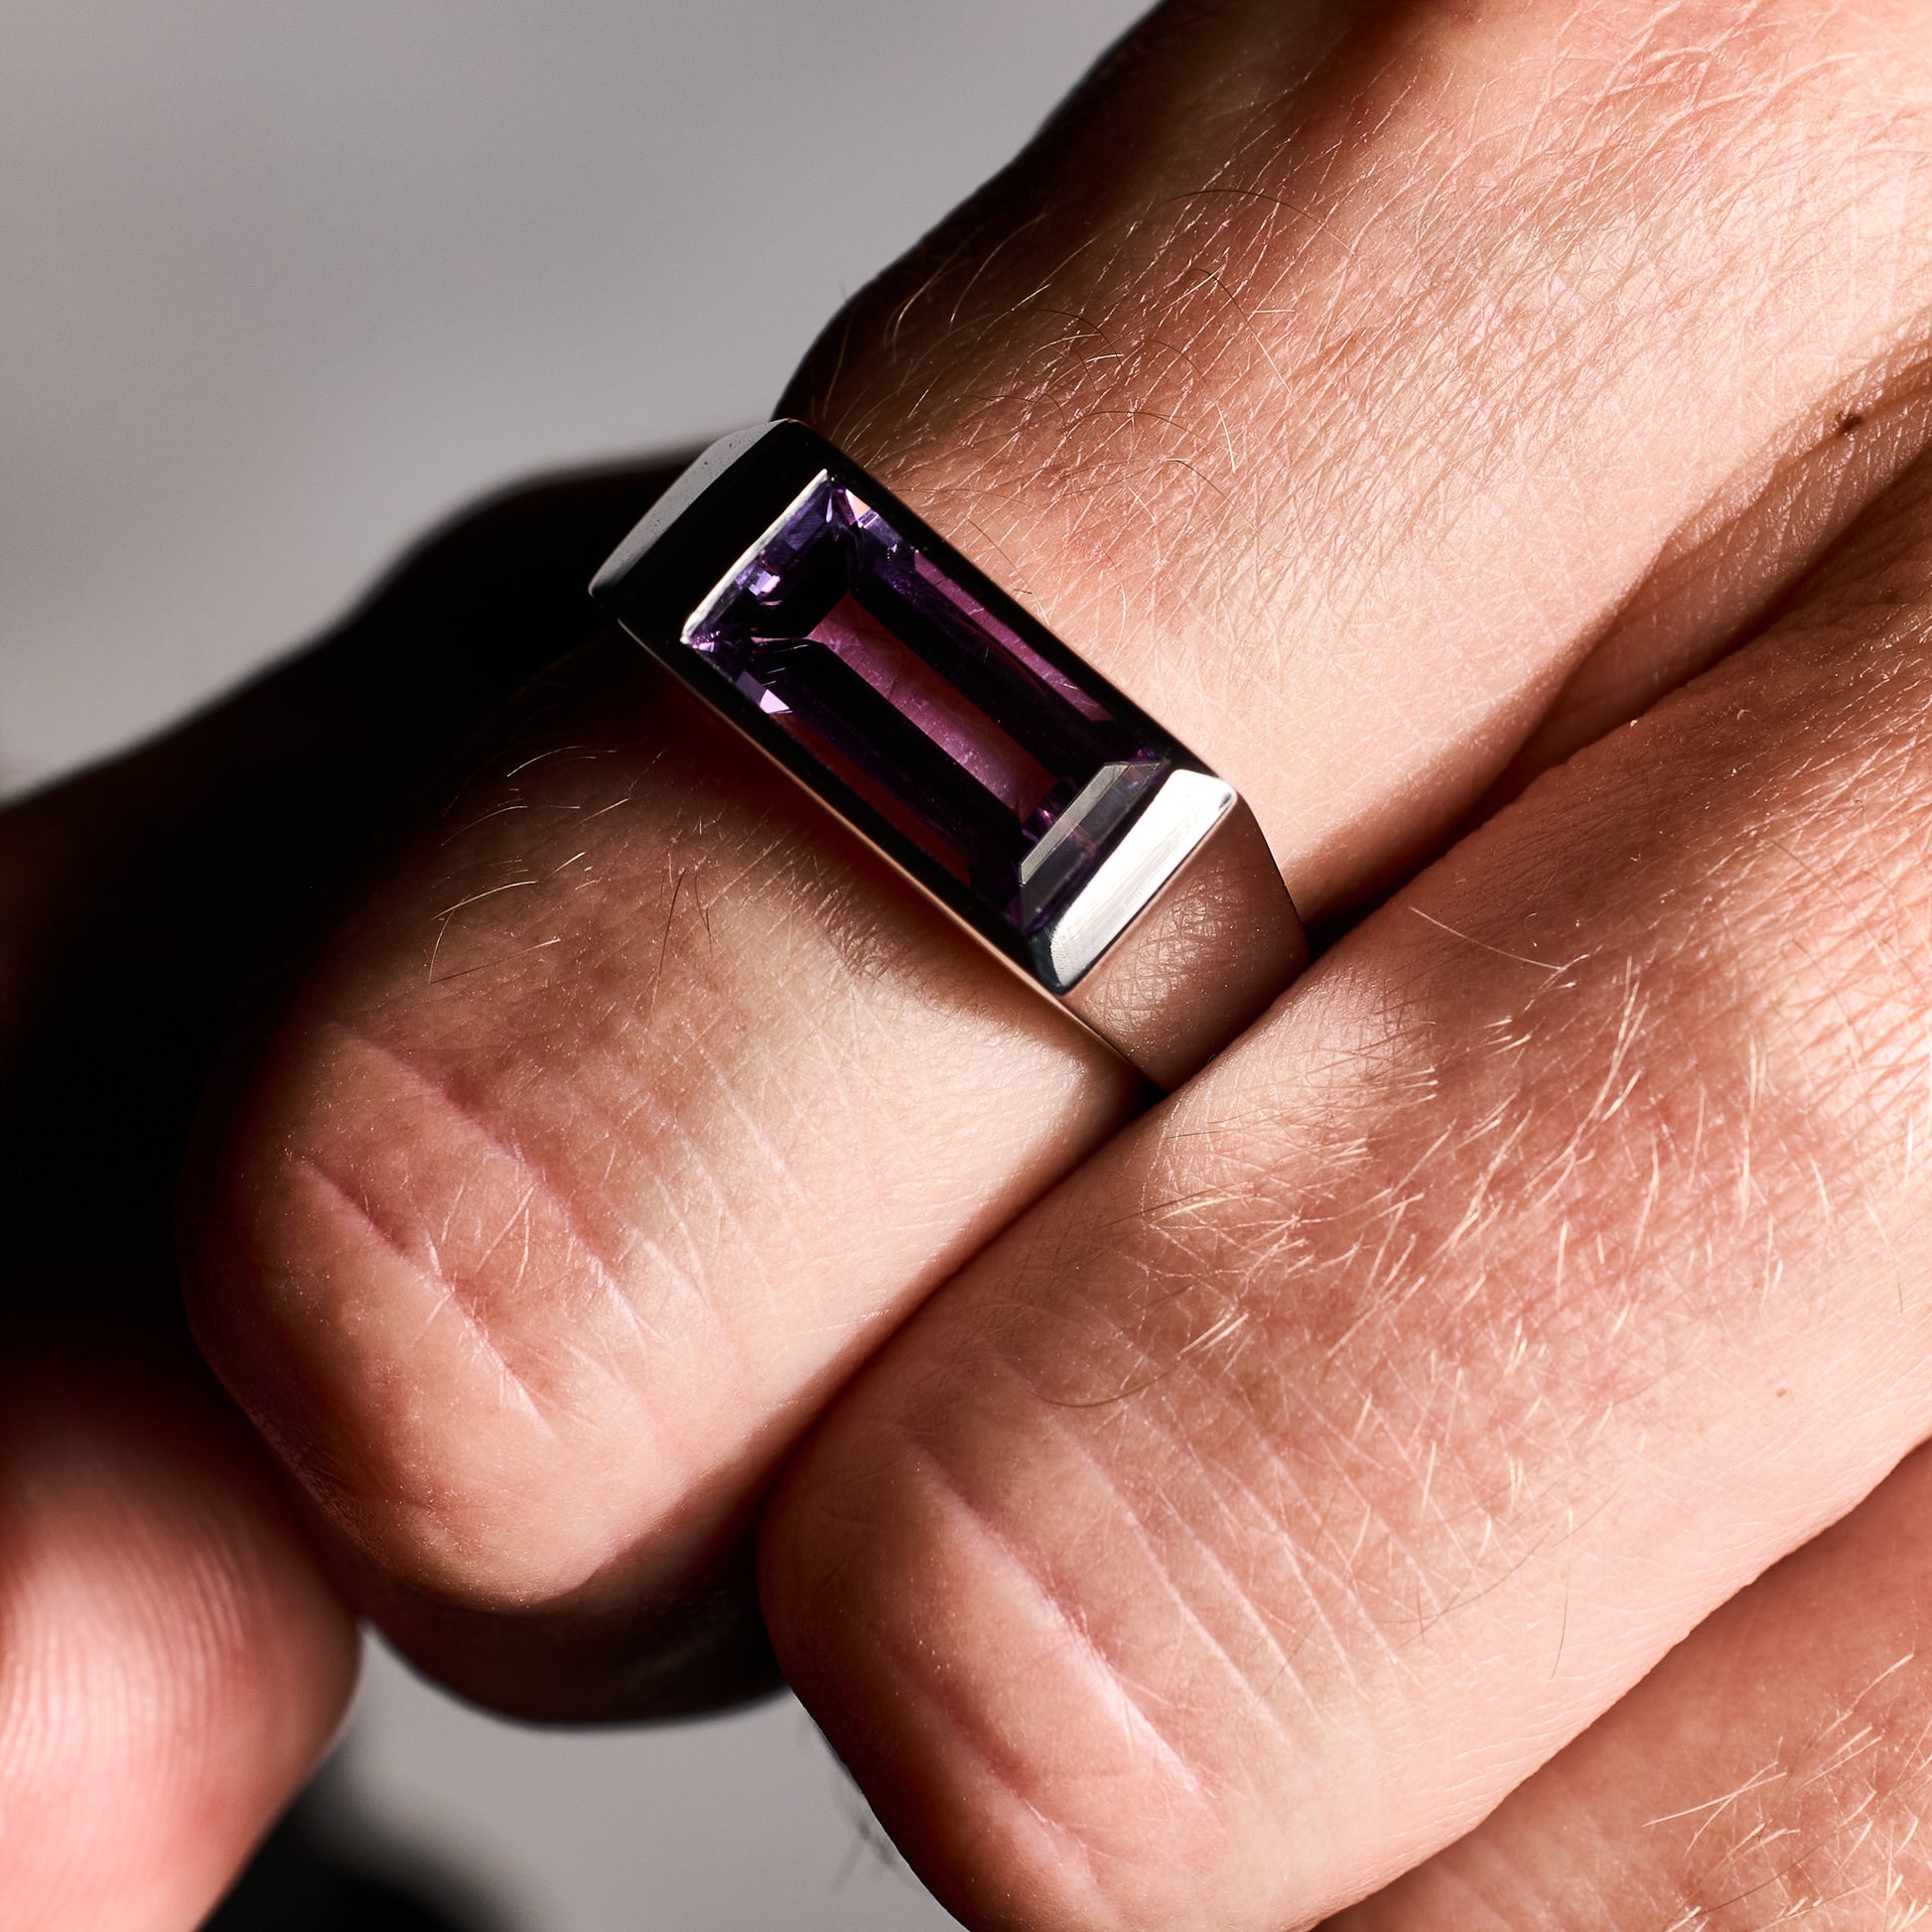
<point x="1057" y="822"/>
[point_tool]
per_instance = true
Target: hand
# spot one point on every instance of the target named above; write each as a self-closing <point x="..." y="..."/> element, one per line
<point x="1392" y="407"/>
<point x="171" y="1663"/>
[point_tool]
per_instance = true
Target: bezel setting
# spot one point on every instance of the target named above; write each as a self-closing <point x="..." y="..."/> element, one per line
<point x="1035" y="802"/>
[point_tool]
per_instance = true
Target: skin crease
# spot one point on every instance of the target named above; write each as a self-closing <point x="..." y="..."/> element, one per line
<point x="171" y="1663"/>
<point x="547" y="1312"/>
<point x="1248" y="1521"/>
<point x="630" y="1110"/>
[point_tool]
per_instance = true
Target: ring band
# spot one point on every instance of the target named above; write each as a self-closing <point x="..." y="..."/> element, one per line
<point x="1046" y="812"/>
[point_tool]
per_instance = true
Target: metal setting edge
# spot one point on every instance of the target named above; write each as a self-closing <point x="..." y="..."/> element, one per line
<point x="742" y="484"/>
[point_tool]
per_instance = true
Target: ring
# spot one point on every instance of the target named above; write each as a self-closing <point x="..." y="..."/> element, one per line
<point x="1057" y="822"/>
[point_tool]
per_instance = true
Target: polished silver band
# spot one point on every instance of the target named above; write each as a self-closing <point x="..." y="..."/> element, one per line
<point x="1052" y="818"/>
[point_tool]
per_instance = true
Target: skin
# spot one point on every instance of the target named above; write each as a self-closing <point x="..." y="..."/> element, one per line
<point x="478" y="1214"/>
<point x="1757" y="1777"/>
<point x="172" y="1660"/>
<point x="1355" y="1430"/>
<point x="1396" y="400"/>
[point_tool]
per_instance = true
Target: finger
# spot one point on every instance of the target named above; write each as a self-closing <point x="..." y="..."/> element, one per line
<point x="1307" y="371"/>
<point x="1358" y="1426"/>
<point x="140" y="899"/>
<point x="559" y="1315"/>
<point x="171" y="1666"/>
<point x="171" y="1662"/>
<point x="1772" y="1771"/>
<point x="1414" y="377"/>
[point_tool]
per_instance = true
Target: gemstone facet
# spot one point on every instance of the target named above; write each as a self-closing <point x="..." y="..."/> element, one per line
<point x="1003" y="768"/>
<point x="798" y="599"/>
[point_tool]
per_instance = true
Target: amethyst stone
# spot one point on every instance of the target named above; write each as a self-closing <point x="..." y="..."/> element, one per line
<point x="1007" y="772"/>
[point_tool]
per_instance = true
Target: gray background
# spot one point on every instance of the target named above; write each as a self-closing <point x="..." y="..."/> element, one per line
<point x="284" y="282"/>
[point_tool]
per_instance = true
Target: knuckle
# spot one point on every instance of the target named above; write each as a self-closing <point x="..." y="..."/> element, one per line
<point x="417" y="1320"/>
<point x="985" y="1692"/>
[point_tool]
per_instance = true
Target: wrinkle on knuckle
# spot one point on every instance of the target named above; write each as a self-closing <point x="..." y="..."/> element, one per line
<point x="460" y="1346"/>
<point x="1069" y="1746"/>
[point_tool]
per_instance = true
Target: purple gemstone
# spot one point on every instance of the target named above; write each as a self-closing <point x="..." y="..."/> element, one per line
<point x="990" y="760"/>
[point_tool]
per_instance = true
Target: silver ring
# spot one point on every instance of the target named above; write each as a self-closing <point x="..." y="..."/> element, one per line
<point x="1058" y="824"/>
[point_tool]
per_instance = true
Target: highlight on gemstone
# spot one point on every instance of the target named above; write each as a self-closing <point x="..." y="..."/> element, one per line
<point x="996" y="764"/>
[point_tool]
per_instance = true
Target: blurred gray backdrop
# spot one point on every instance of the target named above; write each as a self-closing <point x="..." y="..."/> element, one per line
<point x="279" y="284"/>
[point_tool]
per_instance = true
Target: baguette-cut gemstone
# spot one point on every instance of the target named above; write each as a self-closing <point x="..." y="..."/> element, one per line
<point x="1002" y="767"/>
